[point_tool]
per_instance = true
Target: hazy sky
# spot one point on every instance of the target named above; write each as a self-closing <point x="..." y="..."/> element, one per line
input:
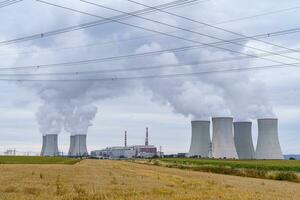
<point x="166" y="106"/>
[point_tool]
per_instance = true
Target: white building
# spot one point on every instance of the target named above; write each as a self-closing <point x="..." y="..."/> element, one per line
<point x="138" y="151"/>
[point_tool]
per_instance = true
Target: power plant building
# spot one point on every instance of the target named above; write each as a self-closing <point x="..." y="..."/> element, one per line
<point x="268" y="146"/>
<point x="50" y="146"/>
<point x="222" y="142"/>
<point x="136" y="151"/>
<point x="243" y="140"/>
<point x="200" y="141"/>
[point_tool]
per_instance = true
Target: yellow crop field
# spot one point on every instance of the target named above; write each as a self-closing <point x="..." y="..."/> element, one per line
<point x="121" y="180"/>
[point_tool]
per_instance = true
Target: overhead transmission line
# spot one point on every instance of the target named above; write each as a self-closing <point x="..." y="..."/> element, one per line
<point x="151" y="67"/>
<point x="208" y="25"/>
<point x="131" y="55"/>
<point x="176" y="27"/>
<point x="8" y="3"/>
<point x="144" y="54"/>
<point x="153" y="34"/>
<point x="173" y="4"/>
<point x="161" y="76"/>
<point x="258" y="36"/>
<point x="155" y="31"/>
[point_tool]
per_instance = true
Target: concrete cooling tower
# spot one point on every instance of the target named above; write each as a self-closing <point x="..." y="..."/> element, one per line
<point x="243" y="140"/>
<point x="72" y="145"/>
<point x="78" y="146"/>
<point x="200" y="142"/>
<point x="268" y="146"/>
<point x="222" y="141"/>
<point x="43" y="147"/>
<point x="50" y="147"/>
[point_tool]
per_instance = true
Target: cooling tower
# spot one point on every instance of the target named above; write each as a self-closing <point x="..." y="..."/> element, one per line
<point x="72" y="145"/>
<point x="243" y="140"/>
<point x="268" y="146"/>
<point x="79" y="147"/>
<point x="200" y="142"/>
<point x="50" y="147"/>
<point x="222" y="141"/>
<point x="43" y="147"/>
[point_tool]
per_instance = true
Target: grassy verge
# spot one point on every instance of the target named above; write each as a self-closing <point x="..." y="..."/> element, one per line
<point x="268" y="165"/>
<point x="230" y="168"/>
<point x="36" y="160"/>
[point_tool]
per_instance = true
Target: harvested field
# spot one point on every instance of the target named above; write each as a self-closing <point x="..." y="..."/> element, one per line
<point x="118" y="180"/>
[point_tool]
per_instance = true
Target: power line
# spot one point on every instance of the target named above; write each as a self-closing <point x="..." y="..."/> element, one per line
<point x="173" y="4"/>
<point x="184" y="29"/>
<point x="161" y="76"/>
<point x="137" y="55"/>
<point x="180" y="49"/>
<point x="209" y="25"/>
<point x="150" y="35"/>
<point x="8" y="3"/>
<point x="259" y="36"/>
<point x="93" y="72"/>
<point x="155" y="31"/>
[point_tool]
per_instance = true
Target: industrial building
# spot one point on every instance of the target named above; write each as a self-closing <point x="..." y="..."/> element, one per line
<point x="50" y="146"/>
<point x="268" y="146"/>
<point x="243" y="140"/>
<point x="200" y="141"/>
<point x="135" y="151"/>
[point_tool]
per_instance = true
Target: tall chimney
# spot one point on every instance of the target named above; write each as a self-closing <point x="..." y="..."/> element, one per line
<point x="125" y="139"/>
<point x="147" y="138"/>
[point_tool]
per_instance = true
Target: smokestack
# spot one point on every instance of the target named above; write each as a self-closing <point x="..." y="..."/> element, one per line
<point x="125" y="139"/>
<point x="200" y="142"/>
<point x="50" y="147"/>
<point x="79" y="148"/>
<point x="243" y="140"/>
<point x="268" y="146"/>
<point x="147" y="138"/>
<point x="222" y="141"/>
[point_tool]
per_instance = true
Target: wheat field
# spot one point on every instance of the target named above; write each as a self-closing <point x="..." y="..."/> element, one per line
<point x="121" y="180"/>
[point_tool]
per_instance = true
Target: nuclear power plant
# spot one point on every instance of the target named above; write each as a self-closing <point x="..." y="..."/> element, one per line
<point x="78" y="146"/>
<point x="50" y="146"/>
<point x="200" y="142"/>
<point x="233" y="140"/>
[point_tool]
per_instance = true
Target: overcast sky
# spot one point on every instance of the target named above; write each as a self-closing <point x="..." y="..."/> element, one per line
<point x="167" y="105"/>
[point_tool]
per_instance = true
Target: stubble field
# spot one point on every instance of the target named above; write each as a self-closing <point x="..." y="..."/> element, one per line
<point x="121" y="180"/>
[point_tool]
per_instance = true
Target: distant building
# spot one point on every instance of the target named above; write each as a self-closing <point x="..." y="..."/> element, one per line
<point x="115" y="152"/>
<point x="138" y="151"/>
<point x="135" y="151"/>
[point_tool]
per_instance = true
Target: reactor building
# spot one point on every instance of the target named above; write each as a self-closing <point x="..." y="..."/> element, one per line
<point x="243" y="140"/>
<point x="222" y="142"/>
<point x="135" y="151"/>
<point x="50" y="146"/>
<point x="268" y="146"/>
<point x="200" y="141"/>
